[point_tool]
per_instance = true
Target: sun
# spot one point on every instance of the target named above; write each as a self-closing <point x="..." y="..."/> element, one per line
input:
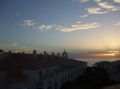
<point x="111" y="54"/>
<point x="108" y="54"/>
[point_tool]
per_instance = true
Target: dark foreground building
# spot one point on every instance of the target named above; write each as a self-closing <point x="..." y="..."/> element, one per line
<point x="38" y="71"/>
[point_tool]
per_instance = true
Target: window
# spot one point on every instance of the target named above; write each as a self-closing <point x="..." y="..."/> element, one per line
<point x="40" y="75"/>
<point x="56" y="86"/>
<point x="39" y="88"/>
<point x="50" y="87"/>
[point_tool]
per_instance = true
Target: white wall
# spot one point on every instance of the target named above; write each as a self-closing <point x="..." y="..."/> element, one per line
<point x="59" y="78"/>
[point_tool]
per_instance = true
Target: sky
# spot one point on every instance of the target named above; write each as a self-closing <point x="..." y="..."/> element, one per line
<point x="54" y="25"/>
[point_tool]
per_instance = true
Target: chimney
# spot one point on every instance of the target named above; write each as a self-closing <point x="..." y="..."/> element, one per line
<point x="58" y="55"/>
<point x="65" y="54"/>
<point x="34" y="54"/>
<point x="9" y="52"/>
<point x="45" y="54"/>
<point x="53" y="56"/>
<point x="23" y="53"/>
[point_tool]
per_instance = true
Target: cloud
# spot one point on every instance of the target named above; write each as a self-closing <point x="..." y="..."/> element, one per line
<point x="28" y="22"/>
<point x="13" y="45"/>
<point x="81" y="1"/>
<point x="44" y="27"/>
<point x="97" y="1"/>
<point x="63" y="28"/>
<point x="78" y="26"/>
<point x="20" y="49"/>
<point x="96" y="10"/>
<point x="83" y="15"/>
<point x="103" y="7"/>
<point x="34" y="25"/>
<point x="116" y="1"/>
<point x="117" y="23"/>
<point x="108" y="6"/>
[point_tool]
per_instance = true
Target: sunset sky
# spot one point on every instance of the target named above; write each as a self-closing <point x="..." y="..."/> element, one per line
<point x="54" y="25"/>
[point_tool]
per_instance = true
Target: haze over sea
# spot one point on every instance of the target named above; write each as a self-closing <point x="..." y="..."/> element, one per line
<point x="91" y="61"/>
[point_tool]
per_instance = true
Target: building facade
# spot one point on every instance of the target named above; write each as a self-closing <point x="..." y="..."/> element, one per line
<point x="39" y="71"/>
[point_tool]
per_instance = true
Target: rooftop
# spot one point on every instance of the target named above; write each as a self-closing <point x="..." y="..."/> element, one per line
<point x="27" y="61"/>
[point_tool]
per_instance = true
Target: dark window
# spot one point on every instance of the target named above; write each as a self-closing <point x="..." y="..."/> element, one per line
<point x="39" y="88"/>
<point x="40" y="75"/>
<point x="56" y="86"/>
<point x="50" y="87"/>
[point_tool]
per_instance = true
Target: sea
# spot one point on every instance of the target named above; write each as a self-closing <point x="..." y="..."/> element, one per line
<point x="91" y="61"/>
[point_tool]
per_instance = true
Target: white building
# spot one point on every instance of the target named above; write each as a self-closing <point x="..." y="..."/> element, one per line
<point x="26" y="71"/>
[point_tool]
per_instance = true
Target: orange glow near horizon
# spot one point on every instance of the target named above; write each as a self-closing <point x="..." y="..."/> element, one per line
<point x="106" y="54"/>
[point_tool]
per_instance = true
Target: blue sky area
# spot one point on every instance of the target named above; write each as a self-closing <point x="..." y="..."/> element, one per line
<point x="54" y="25"/>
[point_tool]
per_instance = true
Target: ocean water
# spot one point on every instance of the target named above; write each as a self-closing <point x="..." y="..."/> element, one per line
<point x="91" y="61"/>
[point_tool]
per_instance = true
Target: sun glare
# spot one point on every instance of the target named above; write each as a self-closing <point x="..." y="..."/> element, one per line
<point x="106" y="54"/>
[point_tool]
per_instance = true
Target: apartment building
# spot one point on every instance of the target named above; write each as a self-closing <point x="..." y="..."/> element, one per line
<point x="38" y="71"/>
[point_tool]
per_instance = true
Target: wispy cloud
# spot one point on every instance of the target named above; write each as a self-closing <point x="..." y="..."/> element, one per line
<point x="28" y="22"/>
<point x="97" y="1"/>
<point x="15" y="44"/>
<point x="62" y="28"/>
<point x="108" y="6"/>
<point x="116" y="1"/>
<point x="35" y="25"/>
<point x="83" y="16"/>
<point x="81" y="1"/>
<point x="15" y="47"/>
<point x="20" y="49"/>
<point x="95" y="10"/>
<point x="78" y="26"/>
<point x="103" y="7"/>
<point x="117" y="23"/>
<point x="44" y="27"/>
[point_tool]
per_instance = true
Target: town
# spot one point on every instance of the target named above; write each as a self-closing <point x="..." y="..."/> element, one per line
<point x="38" y="71"/>
<point x="52" y="71"/>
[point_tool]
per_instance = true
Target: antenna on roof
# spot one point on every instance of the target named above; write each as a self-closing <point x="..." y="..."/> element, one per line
<point x="34" y="53"/>
<point x="65" y="54"/>
<point x="45" y="54"/>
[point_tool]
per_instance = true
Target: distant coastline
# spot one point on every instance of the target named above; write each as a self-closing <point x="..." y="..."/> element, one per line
<point x="91" y="61"/>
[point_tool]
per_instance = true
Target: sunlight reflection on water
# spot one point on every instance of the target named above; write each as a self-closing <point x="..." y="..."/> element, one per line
<point x="91" y="61"/>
